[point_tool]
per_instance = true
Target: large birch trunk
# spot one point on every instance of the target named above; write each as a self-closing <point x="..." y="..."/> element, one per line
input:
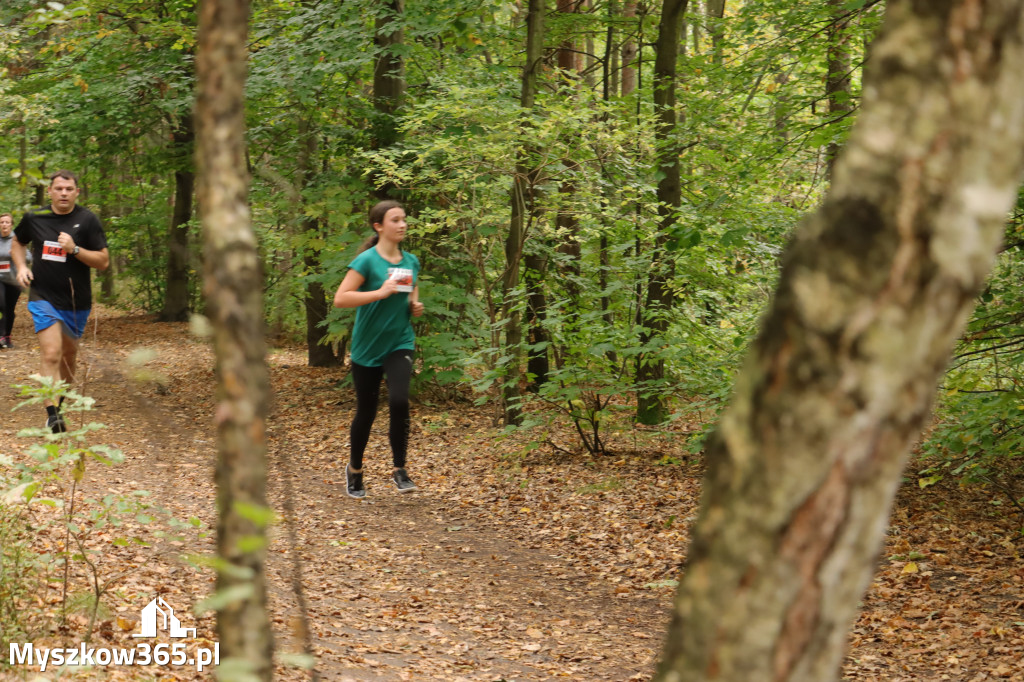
<point x="875" y="289"/>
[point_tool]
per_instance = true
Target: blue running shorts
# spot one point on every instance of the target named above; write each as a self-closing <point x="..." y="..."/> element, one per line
<point x="44" y="315"/>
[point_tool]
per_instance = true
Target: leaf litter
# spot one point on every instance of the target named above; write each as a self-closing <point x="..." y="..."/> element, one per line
<point x="509" y="563"/>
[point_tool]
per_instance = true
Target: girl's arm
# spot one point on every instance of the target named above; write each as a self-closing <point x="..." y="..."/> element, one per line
<point x="414" y="302"/>
<point x="349" y="296"/>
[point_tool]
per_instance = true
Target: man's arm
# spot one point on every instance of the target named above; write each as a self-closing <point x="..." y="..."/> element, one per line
<point x="24" y="274"/>
<point x="94" y="259"/>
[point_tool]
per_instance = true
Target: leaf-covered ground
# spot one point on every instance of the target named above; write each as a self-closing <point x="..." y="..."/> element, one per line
<point x="503" y="566"/>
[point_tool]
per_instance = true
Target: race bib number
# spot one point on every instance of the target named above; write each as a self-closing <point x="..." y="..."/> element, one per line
<point x="402" y="277"/>
<point x="53" y="251"/>
<point x="5" y="266"/>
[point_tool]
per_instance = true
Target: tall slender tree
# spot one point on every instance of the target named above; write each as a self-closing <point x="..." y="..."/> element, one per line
<point x="629" y="50"/>
<point x="525" y="203"/>
<point x="318" y="353"/>
<point x="715" y="11"/>
<point x="651" y="408"/>
<point x="838" y="79"/>
<point x="176" y="295"/>
<point x="388" y="73"/>
<point x="233" y="287"/>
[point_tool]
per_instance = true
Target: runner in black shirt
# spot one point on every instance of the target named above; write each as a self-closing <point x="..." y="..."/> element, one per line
<point x="66" y="240"/>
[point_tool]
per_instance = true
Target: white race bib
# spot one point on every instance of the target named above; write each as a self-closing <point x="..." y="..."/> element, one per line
<point x="402" y="276"/>
<point x="54" y="251"/>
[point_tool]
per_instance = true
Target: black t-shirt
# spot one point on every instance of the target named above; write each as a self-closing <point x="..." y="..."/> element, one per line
<point x="58" y="277"/>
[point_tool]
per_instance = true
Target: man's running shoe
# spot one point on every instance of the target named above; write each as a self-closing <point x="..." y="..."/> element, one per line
<point x="5" y="342"/>
<point x="403" y="482"/>
<point x="354" y="484"/>
<point x="56" y="424"/>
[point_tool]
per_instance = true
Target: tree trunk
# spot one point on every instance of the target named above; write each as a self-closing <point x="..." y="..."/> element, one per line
<point x="318" y="354"/>
<point x="176" y="302"/>
<point x="715" y="11"/>
<point x="233" y="286"/>
<point x="524" y="203"/>
<point x="837" y="82"/>
<point x="651" y="408"/>
<point x="106" y="276"/>
<point x="388" y="71"/>
<point x="538" y="363"/>
<point x="874" y="291"/>
<point x="629" y="52"/>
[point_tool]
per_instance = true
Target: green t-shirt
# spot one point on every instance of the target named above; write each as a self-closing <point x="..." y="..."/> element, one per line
<point x="382" y="327"/>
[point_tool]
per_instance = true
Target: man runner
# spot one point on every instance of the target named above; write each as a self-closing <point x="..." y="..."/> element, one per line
<point x="67" y="240"/>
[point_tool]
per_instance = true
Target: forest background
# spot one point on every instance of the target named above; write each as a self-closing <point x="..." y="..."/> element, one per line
<point x="599" y="229"/>
<point x="599" y="235"/>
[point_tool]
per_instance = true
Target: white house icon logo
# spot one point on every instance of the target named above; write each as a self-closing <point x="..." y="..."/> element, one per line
<point x="158" y="607"/>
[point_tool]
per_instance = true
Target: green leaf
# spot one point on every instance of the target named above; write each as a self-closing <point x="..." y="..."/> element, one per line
<point x="257" y="514"/>
<point x="222" y="598"/>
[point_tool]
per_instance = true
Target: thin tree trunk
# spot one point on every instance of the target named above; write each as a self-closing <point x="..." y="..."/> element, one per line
<point x="106" y="276"/>
<point x="176" y="302"/>
<point x="233" y="288"/>
<point x="524" y="203"/>
<point x="388" y="71"/>
<point x="715" y="11"/>
<point x="651" y="408"/>
<point x="781" y="106"/>
<point x="629" y="52"/>
<point x="837" y="82"/>
<point x="538" y="363"/>
<point x="874" y="291"/>
<point x="318" y="354"/>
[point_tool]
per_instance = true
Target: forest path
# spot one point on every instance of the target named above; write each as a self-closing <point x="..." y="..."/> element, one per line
<point x="507" y="564"/>
<point x="484" y="573"/>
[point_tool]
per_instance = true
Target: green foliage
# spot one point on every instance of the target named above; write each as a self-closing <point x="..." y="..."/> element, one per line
<point x="103" y="87"/>
<point x="20" y="573"/>
<point x="50" y="475"/>
<point x="978" y="438"/>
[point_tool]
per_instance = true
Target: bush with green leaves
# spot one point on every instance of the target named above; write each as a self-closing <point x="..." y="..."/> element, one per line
<point x="84" y="527"/>
<point x="978" y="437"/>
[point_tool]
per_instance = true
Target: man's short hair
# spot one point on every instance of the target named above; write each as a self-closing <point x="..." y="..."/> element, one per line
<point x="65" y="174"/>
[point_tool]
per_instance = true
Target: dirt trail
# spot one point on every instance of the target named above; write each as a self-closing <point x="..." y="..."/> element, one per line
<point x="431" y="585"/>
<point x="508" y="564"/>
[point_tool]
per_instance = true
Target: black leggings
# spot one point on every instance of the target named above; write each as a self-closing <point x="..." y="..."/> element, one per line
<point x="9" y="294"/>
<point x="397" y="368"/>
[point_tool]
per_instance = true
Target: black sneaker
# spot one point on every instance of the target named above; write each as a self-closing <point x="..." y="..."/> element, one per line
<point x="354" y="484"/>
<point x="56" y="424"/>
<point x="403" y="482"/>
<point x="5" y="342"/>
